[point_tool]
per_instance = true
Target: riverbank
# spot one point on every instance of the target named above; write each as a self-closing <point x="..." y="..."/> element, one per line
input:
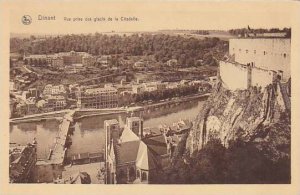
<point x="175" y="101"/>
<point x="82" y="113"/>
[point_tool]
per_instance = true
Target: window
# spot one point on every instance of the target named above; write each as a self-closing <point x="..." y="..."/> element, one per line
<point x="265" y="52"/>
<point x="121" y="174"/>
<point x="240" y="50"/>
<point x="284" y="55"/>
<point x="254" y="51"/>
<point x="246" y="50"/>
<point x="131" y="173"/>
<point x="144" y="176"/>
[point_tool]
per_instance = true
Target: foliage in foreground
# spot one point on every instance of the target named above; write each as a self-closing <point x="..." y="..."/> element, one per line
<point x="240" y="163"/>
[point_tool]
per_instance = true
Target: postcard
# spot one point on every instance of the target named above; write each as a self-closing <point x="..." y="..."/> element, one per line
<point x="190" y="97"/>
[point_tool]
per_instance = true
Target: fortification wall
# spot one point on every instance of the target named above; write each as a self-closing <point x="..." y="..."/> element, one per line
<point x="237" y="76"/>
<point x="266" y="53"/>
<point x="261" y="77"/>
<point x="233" y="76"/>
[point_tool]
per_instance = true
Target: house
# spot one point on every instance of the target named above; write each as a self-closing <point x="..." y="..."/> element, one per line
<point x="172" y="62"/>
<point x="106" y="97"/>
<point x="22" y="161"/>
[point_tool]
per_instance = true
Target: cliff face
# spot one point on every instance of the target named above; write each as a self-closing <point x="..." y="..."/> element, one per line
<point x="261" y="116"/>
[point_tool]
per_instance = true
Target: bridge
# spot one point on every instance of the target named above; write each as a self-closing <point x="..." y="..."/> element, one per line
<point x="58" y="153"/>
<point x="39" y="117"/>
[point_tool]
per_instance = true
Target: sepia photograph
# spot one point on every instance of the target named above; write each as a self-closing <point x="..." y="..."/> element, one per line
<point x="151" y="93"/>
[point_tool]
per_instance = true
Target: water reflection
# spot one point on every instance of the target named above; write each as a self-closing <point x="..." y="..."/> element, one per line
<point x="44" y="132"/>
<point x="89" y="134"/>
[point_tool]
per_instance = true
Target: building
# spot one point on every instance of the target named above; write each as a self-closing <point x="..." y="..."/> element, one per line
<point x="36" y="60"/>
<point x="136" y="89"/>
<point x="31" y="106"/>
<point x="74" y="68"/>
<point x="172" y="62"/>
<point x="12" y="86"/>
<point x="112" y="133"/>
<point x="104" y="60"/>
<point x="271" y="53"/>
<point x="11" y="107"/>
<point x="154" y="86"/>
<point x="57" y="62"/>
<point x="135" y="125"/>
<point x="71" y="58"/>
<point x="55" y="103"/>
<point x="140" y="64"/>
<point x="33" y="92"/>
<point x="54" y="90"/>
<point x="88" y="60"/>
<point x="173" y="85"/>
<point x="106" y="97"/>
<point x="256" y="61"/>
<point x="60" y="59"/>
<point x="158" y="145"/>
<point x="77" y="178"/>
<point x="133" y="158"/>
<point x="22" y="160"/>
<point x="213" y="80"/>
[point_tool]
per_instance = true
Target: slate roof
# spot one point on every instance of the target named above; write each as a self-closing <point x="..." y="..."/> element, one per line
<point x="157" y="144"/>
<point x="128" y="135"/>
<point x="127" y="151"/>
<point x="135" y="151"/>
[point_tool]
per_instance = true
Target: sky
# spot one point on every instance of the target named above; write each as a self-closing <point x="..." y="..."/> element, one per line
<point x="152" y="16"/>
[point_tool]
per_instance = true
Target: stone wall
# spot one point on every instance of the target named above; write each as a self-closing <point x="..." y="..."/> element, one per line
<point x="233" y="76"/>
<point x="265" y="53"/>
<point x="261" y="77"/>
<point x="236" y="76"/>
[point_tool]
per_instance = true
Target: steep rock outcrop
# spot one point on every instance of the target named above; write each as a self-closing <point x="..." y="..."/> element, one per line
<point x="261" y="116"/>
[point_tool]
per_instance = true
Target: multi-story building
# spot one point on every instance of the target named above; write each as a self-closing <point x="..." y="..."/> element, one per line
<point x="71" y="58"/>
<point x="153" y="86"/>
<point x="33" y="92"/>
<point x="138" y="89"/>
<point x="61" y="59"/>
<point x="104" y="60"/>
<point x="57" y="62"/>
<point x="74" y="68"/>
<point x="256" y="61"/>
<point x="88" y="60"/>
<point x="36" y="60"/>
<point x="31" y="106"/>
<point x="106" y="97"/>
<point x="272" y="53"/>
<point x="55" y="103"/>
<point x="58" y="89"/>
<point x="54" y="90"/>
<point x="22" y="160"/>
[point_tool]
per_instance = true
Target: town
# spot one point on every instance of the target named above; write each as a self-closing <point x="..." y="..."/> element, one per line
<point x="122" y="115"/>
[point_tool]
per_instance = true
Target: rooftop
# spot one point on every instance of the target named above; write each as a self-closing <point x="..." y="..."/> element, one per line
<point x="157" y="144"/>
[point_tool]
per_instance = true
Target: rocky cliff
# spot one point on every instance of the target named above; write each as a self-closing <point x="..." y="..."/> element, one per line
<point x="260" y="116"/>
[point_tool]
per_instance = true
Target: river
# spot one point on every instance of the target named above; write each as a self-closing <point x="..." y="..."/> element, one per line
<point x="89" y="134"/>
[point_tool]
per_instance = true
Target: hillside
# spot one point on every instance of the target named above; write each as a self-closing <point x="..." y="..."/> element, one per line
<point x="260" y="116"/>
<point x="240" y="136"/>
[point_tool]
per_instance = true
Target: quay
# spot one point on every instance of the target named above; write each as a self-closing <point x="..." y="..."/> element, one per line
<point x="40" y="117"/>
<point x="176" y="101"/>
<point x="77" y="114"/>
